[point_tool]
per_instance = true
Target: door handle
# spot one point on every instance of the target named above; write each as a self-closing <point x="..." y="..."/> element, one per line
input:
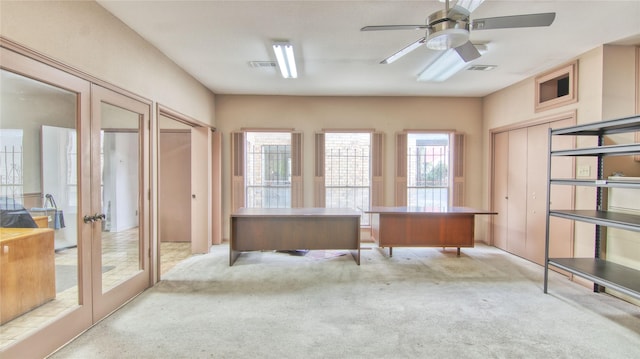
<point x="96" y="217"/>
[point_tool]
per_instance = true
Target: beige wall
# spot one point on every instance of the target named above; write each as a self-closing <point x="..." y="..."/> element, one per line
<point x="619" y="81"/>
<point x="620" y="76"/>
<point x="606" y="90"/>
<point x="385" y="114"/>
<point x="85" y="36"/>
<point x="516" y="104"/>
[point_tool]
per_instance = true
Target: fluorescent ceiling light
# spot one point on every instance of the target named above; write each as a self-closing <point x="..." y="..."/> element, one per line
<point x="445" y="66"/>
<point x="467" y="4"/>
<point x="285" y="59"/>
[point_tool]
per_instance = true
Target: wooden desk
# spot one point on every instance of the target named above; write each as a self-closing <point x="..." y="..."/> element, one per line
<point x="256" y="229"/>
<point x="417" y="227"/>
<point x="27" y="267"/>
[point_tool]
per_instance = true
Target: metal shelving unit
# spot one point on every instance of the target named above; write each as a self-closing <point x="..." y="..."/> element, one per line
<point x="598" y="270"/>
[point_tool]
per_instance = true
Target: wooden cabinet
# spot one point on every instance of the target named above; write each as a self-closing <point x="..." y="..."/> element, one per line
<point x="27" y="270"/>
<point x="608" y="271"/>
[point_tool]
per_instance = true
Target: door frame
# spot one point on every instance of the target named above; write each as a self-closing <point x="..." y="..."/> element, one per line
<point x="205" y="184"/>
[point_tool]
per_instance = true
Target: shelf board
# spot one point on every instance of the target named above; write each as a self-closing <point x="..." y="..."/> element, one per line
<point x="602" y="272"/>
<point x="627" y="124"/>
<point x="614" y="150"/>
<point x="595" y="183"/>
<point x="612" y="219"/>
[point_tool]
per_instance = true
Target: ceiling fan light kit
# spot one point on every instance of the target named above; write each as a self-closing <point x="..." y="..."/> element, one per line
<point x="447" y="39"/>
<point x="448" y="28"/>
<point x="285" y="58"/>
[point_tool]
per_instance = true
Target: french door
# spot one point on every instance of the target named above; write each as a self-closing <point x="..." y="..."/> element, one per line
<point x="120" y="204"/>
<point x="87" y="148"/>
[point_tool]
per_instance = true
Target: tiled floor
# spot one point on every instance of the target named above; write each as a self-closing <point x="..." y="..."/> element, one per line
<point x="120" y="260"/>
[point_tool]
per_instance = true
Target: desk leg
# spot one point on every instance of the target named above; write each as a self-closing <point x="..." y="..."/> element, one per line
<point x="356" y="255"/>
<point x="390" y="251"/>
<point x="233" y="255"/>
<point x="458" y="251"/>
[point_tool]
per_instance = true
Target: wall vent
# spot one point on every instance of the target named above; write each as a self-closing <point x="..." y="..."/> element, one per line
<point x="262" y="64"/>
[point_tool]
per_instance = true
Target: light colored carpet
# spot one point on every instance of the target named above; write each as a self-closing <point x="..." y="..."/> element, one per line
<point x="422" y="303"/>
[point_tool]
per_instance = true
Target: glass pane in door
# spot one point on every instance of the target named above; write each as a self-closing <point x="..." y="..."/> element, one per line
<point x="120" y="195"/>
<point x="38" y="205"/>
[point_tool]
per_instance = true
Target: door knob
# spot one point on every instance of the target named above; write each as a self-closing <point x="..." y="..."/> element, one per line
<point x="88" y="219"/>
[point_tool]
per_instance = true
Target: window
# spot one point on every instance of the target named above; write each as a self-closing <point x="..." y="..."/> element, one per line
<point x="348" y="171"/>
<point x="11" y="179"/>
<point x="429" y="169"/>
<point x="268" y="170"/>
<point x="557" y="88"/>
<point x="428" y="177"/>
<point x="276" y="164"/>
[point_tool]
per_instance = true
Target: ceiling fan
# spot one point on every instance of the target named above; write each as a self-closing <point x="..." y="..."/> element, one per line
<point x="449" y="29"/>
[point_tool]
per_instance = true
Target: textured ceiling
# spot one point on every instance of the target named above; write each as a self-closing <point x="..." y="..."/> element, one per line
<point x="215" y="41"/>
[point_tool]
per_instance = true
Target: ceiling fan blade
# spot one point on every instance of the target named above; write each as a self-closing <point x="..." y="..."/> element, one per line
<point x="505" y="22"/>
<point x="407" y="49"/>
<point x="467" y="51"/>
<point x="393" y="27"/>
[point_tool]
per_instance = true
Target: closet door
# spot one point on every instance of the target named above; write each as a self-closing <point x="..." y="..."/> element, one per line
<point x="517" y="192"/>
<point x="562" y="197"/>
<point x="500" y="190"/>
<point x="538" y="142"/>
